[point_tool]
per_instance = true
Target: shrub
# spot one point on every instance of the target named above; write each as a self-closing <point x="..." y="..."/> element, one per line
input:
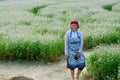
<point x="107" y="7"/>
<point x="88" y="42"/>
<point x="106" y="39"/>
<point x="30" y="50"/>
<point x="104" y="63"/>
<point x="53" y="50"/>
<point x="35" y="9"/>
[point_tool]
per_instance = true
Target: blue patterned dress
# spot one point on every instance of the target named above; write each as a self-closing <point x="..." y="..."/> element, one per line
<point x="73" y="45"/>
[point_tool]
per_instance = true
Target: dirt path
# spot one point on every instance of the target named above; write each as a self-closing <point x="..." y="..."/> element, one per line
<point x="52" y="71"/>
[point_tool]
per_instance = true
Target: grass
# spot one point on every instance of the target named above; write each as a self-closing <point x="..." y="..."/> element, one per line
<point x="35" y="30"/>
<point x="104" y="63"/>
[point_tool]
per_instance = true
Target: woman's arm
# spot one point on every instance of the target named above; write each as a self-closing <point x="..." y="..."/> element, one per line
<point x="66" y="44"/>
<point x="81" y="45"/>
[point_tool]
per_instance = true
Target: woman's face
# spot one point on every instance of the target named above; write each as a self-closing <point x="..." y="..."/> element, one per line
<point x="73" y="27"/>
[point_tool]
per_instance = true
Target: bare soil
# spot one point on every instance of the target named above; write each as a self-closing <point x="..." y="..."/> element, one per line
<point x="50" y="71"/>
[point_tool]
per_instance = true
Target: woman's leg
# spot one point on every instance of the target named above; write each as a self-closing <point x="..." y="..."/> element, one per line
<point x="72" y="73"/>
<point x="78" y="73"/>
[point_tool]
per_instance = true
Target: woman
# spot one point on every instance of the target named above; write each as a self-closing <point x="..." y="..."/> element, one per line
<point x="73" y="49"/>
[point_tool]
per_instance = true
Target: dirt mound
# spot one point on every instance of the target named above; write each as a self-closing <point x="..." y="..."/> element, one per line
<point x="21" y="78"/>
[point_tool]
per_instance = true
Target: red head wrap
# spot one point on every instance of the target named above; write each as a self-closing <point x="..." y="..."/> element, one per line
<point x="74" y="22"/>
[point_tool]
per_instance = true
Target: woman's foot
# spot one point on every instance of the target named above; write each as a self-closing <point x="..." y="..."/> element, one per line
<point x="76" y="79"/>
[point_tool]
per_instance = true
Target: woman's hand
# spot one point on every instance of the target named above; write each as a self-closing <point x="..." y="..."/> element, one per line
<point x="77" y="56"/>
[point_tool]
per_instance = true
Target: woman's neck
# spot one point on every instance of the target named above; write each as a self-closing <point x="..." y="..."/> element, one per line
<point x="73" y="31"/>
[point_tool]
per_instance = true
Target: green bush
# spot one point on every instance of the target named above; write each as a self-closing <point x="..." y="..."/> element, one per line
<point x="2" y="48"/>
<point x="88" y="42"/>
<point x="31" y="50"/>
<point x="35" y="9"/>
<point x="108" y="7"/>
<point x="104" y="63"/>
<point x="52" y="51"/>
<point x="111" y="37"/>
<point x="106" y="39"/>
